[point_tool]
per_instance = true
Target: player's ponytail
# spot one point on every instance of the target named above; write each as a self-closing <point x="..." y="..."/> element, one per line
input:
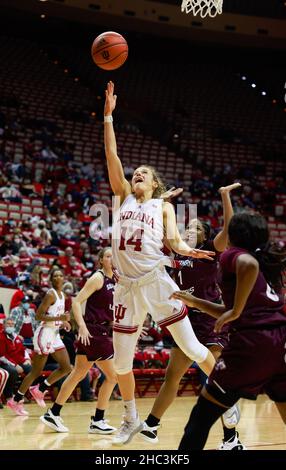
<point x="250" y="231"/>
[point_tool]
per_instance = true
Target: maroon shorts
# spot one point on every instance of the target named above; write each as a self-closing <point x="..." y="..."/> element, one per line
<point x="253" y="362"/>
<point x="100" y="347"/>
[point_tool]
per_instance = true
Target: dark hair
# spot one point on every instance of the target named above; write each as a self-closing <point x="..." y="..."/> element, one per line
<point x="207" y="229"/>
<point x="53" y="271"/>
<point x="250" y="231"/>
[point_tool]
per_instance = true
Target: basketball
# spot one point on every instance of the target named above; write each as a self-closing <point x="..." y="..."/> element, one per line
<point x="109" y="50"/>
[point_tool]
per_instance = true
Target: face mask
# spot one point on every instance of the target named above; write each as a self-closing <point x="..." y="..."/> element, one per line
<point x="10" y="330"/>
<point x="26" y="305"/>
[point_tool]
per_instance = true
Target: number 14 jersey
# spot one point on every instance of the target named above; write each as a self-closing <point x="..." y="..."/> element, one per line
<point x="137" y="237"/>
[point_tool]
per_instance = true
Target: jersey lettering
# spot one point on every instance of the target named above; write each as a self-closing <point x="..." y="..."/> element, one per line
<point x="135" y="239"/>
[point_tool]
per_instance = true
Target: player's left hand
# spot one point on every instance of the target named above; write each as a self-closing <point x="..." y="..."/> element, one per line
<point x="230" y="187"/>
<point x="171" y="193"/>
<point x="195" y="253"/>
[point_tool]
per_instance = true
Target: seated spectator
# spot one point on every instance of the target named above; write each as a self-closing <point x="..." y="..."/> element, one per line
<point x="64" y="260"/>
<point x="63" y="228"/>
<point x="24" y="317"/>
<point x="14" y="358"/>
<point x="24" y="259"/>
<point x="2" y="318"/>
<point x="42" y="234"/>
<point x="5" y="280"/>
<point x="10" y="193"/>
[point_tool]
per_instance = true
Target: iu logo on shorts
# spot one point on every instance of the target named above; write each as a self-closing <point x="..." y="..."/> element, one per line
<point x="119" y="312"/>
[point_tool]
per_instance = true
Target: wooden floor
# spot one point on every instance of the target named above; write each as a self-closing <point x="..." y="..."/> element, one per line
<point x="260" y="428"/>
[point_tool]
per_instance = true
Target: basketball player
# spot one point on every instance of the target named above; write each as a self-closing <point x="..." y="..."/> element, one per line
<point x="46" y="341"/>
<point x="144" y="285"/>
<point x="250" y="271"/>
<point x="199" y="276"/>
<point x="94" y="346"/>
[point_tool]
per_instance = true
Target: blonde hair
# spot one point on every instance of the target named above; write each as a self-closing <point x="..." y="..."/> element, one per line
<point x="101" y="255"/>
<point x="157" y="178"/>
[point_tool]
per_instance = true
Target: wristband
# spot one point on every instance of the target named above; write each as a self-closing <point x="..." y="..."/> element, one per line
<point x="108" y="118"/>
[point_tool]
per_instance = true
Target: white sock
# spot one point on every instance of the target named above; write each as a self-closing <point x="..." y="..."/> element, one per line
<point x="130" y="410"/>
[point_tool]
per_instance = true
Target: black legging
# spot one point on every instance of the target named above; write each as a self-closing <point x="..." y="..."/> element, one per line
<point x="204" y="414"/>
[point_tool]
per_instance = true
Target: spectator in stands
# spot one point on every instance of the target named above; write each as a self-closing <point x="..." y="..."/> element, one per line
<point x="2" y="318"/>
<point x="13" y="356"/>
<point x="88" y="260"/>
<point x="63" y="228"/>
<point x="10" y="193"/>
<point x="24" y="259"/>
<point x="5" y="280"/>
<point x="24" y="317"/>
<point x="42" y="234"/>
<point x="48" y="155"/>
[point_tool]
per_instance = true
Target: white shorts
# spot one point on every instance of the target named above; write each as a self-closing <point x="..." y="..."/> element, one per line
<point x="47" y="340"/>
<point x="133" y="299"/>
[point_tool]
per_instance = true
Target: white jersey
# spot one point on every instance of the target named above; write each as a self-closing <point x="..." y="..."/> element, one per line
<point x="55" y="310"/>
<point x="137" y="237"/>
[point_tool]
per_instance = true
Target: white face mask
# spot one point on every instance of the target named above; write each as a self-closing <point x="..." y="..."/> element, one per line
<point x="10" y="330"/>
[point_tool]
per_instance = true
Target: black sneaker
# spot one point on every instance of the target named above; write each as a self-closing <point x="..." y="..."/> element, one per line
<point x="149" y="433"/>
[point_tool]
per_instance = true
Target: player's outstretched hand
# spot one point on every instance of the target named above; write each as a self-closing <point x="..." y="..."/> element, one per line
<point x="204" y="254"/>
<point x="184" y="296"/>
<point x="171" y="193"/>
<point x="230" y="187"/>
<point x="110" y="99"/>
<point x="84" y="335"/>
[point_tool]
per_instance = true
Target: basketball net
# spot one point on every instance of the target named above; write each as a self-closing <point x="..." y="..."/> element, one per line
<point x="202" y="7"/>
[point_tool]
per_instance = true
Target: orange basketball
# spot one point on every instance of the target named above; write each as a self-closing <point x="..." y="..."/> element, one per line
<point x="109" y="50"/>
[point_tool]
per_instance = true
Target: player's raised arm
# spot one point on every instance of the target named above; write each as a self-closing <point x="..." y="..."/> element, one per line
<point x="174" y="238"/>
<point x="220" y="241"/>
<point x="119" y="184"/>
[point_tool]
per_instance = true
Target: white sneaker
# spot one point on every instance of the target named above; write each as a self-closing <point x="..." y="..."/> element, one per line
<point x="231" y="417"/>
<point x="149" y="434"/>
<point x="127" y="430"/>
<point x="100" y="427"/>
<point x="232" y="444"/>
<point x="54" y="422"/>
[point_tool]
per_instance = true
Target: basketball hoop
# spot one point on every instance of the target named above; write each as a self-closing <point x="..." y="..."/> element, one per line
<point x="202" y="7"/>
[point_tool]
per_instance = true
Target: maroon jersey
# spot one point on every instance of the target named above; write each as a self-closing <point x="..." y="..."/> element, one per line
<point x="263" y="307"/>
<point x="98" y="319"/>
<point x="99" y="306"/>
<point x="199" y="276"/>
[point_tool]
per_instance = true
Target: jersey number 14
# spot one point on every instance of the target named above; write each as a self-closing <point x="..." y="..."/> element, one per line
<point x="135" y="239"/>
